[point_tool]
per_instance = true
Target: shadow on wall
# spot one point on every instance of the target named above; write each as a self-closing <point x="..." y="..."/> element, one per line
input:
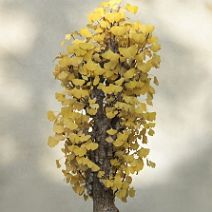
<point x="24" y="185"/>
<point x="189" y="189"/>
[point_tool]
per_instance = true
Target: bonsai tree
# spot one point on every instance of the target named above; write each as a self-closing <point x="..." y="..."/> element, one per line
<point x="106" y="98"/>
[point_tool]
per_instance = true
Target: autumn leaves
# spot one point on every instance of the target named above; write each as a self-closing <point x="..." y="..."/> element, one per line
<point x="112" y="55"/>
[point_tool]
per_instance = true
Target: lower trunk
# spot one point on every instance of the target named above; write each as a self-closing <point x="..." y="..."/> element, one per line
<point x="103" y="199"/>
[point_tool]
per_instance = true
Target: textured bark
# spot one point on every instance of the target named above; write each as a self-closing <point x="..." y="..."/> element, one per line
<point x="103" y="198"/>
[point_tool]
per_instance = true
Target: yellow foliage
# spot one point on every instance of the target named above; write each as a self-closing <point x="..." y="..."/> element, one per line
<point x="51" y="116"/>
<point x="70" y="124"/>
<point x="79" y="93"/>
<point x="143" y="152"/>
<point x="85" y="32"/>
<point x="52" y="141"/>
<point x="131" y="8"/>
<point x="129" y="52"/>
<point x="111" y="131"/>
<point x="78" y="82"/>
<point x="106" y="71"/>
<point x="129" y="74"/>
<point x="119" y="30"/>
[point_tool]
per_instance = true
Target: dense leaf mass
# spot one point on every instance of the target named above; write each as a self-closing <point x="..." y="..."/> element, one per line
<point x="105" y="75"/>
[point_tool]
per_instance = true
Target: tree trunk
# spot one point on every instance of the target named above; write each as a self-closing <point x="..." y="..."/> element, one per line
<point x="103" y="199"/>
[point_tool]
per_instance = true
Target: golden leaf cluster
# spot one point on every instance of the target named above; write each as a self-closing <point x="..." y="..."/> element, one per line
<point x="115" y="56"/>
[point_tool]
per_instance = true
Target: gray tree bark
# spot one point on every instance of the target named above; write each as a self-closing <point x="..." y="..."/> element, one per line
<point x="103" y="198"/>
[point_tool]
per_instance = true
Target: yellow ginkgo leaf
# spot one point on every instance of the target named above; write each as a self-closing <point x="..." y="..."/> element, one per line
<point x="119" y="30"/>
<point x="60" y="96"/>
<point x="148" y="28"/>
<point x="150" y="164"/>
<point x="63" y="75"/>
<point x="104" y="24"/>
<point x="96" y="15"/>
<point x="128" y="158"/>
<point x="111" y="65"/>
<point x="66" y="61"/>
<point x="155" y="61"/>
<point x="84" y="137"/>
<point x="155" y="47"/>
<point x="141" y="108"/>
<point x="143" y="152"/>
<point x="129" y="74"/>
<point x="156" y="82"/>
<point x="137" y="165"/>
<point x="145" y="67"/>
<point x="99" y="37"/>
<point x="113" y="3"/>
<point x="108" y="73"/>
<point x="129" y="52"/>
<point x="123" y="106"/>
<point x="94" y="167"/>
<point x="131" y="8"/>
<point x="121" y="194"/>
<point x="94" y="106"/>
<point x="111" y="131"/>
<point x="70" y="49"/>
<point x="58" y="128"/>
<point x="110" y="89"/>
<point x="100" y="174"/>
<point x="114" y="16"/>
<point x="68" y="36"/>
<point x="120" y="81"/>
<point x="92" y="101"/>
<point x="151" y="116"/>
<point x="108" y="183"/>
<point x="85" y="32"/>
<point x="151" y="132"/>
<point x="114" y="162"/>
<point x="111" y="114"/>
<point x="78" y="82"/>
<point x="131" y="192"/>
<point x="140" y="57"/>
<point x="130" y="99"/>
<point x="79" y="93"/>
<point x="52" y="141"/>
<point x="78" y="189"/>
<point x="70" y="124"/>
<point x="138" y="37"/>
<point x="118" y="142"/>
<point x="90" y="65"/>
<point x="109" y="139"/>
<point x="51" y="116"/>
<point x="86" y="46"/>
<point x="128" y="179"/>
<point x="80" y="52"/>
<point x="91" y="111"/>
<point x="79" y="151"/>
<point x="58" y="164"/>
<point x="96" y="80"/>
<point x="117" y="183"/>
<point x="110" y="55"/>
<point x="123" y="136"/>
<point x="91" y="146"/>
<point x="98" y="71"/>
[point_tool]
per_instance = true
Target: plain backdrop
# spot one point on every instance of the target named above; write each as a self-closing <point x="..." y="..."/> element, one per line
<point x="30" y="35"/>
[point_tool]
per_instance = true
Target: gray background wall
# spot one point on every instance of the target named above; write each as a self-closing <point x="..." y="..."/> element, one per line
<point x="30" y="33"/>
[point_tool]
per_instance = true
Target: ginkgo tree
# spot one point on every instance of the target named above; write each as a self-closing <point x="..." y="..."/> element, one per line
<point x="106" y="100"/>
